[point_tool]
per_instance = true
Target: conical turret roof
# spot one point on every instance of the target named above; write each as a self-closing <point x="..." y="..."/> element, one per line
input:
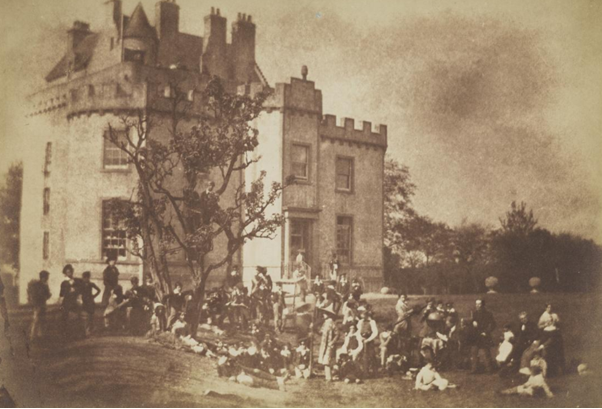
<point x="138" y="26"/>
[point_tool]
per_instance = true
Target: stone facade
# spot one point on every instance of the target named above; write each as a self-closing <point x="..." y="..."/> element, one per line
<point x="127" y="65"/>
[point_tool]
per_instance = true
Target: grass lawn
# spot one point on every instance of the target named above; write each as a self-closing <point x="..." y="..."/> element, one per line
<point x="127" y="371"/>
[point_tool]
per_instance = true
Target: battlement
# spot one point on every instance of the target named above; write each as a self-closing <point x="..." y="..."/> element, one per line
<point x="346" y="131"/>
<point x="299" y="94"/>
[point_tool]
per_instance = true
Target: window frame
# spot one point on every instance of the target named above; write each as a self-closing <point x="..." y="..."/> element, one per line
<point x="349" y="261"/>
<point x="46" y="201"/>
<point x="134" y="55"/>
<point x="351" y="161"/>
<point x="307" y="163"/>
<point x="46" y="246"/>
<point x="103" y="256"/>
<point x="108" y="145"/>
<point x="48" y="159"/>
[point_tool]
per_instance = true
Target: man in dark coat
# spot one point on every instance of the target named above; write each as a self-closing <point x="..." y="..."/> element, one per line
<point x="110" y="277"/>
<point x="70" y="300"/>
<point x="38" y="293"/>
<point x="89" y="292"/>
<point x="483" y="323"/>
<point x="525" y="334"/>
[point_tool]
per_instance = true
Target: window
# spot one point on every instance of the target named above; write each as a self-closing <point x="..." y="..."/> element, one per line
<point x="344" y="230"/>
<point x="113" y="233"/>
<point x="46" y="200"/>
<point x="300" y="161"/>
<point x="344" y="176"/>
<point x="46" y="246"/>
<point x="133" y="55"/>
<point x="114" y="157"/>
<point x="48" y="158"/>
<point x="300" y="236"/>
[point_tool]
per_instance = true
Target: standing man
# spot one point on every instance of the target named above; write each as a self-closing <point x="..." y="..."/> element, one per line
<point x="261" y="288"/>
<point x="278" y="305"/>
<point x="38" y="293"/>
<point x="3" y="310"/>
<point x="70" y="298"/>
<point x="326" y="354"/>
<point x="403" y="326"/>
<point x="356" y="289"/>
<point x="334" y="267"/>
<point x="110" y="277"/>
<point x="89" y="292"/>
<point x="484" y="324"/>
<point x="368" y="330"/>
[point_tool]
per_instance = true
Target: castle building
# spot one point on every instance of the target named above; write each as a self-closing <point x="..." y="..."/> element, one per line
<point x="336" y="206"/>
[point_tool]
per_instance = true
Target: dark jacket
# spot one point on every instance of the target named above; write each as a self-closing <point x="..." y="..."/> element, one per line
<point x="485" y="324"/>
<point x="110" y="276"/>
<point x="70" y="291"/>
<point x="525" y="335"/>
<point x="38" y="293"/>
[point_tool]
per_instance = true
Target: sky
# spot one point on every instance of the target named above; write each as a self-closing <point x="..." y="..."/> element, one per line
<point x="486" y="101"/>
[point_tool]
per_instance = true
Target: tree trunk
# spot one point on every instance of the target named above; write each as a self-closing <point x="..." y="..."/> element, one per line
<point x="197" y="304"/>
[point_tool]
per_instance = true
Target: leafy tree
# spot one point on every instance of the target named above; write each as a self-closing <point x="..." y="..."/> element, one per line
<point x="428" y="245"/>
<point x="518" y="220"/>
<point x="10" y="209"/>
<point x="398" y="203"/>
<point x="398" y="209"/>
<point x="168" y="215"/>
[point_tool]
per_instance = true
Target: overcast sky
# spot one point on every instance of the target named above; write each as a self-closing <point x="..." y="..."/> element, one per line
<point x="486" y="101"/>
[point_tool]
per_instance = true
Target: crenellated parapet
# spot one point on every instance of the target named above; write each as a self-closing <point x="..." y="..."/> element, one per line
<point x="346" y="131"/>
<point x="298" y="95"/>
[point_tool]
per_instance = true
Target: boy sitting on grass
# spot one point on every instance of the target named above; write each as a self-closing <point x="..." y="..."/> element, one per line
<point x="534" y="386"/>
<point x="429" y="379"/>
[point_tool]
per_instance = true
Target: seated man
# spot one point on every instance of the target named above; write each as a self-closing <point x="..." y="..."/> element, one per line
<point x="176" y="303"/>
<point x="348" y="370"/>
<point x="505" y="348"/>
<point x="302" y="360"/>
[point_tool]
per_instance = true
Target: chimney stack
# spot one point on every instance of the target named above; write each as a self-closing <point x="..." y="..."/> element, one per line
<point x="167" y="18"/>
<point x="214" y="58"/>
<point x="76" y="34"/>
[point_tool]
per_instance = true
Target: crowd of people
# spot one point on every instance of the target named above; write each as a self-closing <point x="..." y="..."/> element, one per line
<point x="340" y="341"/>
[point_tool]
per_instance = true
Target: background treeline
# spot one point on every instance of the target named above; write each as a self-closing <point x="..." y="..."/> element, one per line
<point x="423" y="256"/>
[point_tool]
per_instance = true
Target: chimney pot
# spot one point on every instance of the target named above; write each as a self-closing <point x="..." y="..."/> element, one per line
<point x="218" y="13"/>
<point x="304" y="72"/>
<point x="212" y="10"/>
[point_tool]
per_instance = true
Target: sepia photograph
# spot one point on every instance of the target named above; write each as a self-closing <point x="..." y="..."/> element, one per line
<point x="318" y="203"/>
